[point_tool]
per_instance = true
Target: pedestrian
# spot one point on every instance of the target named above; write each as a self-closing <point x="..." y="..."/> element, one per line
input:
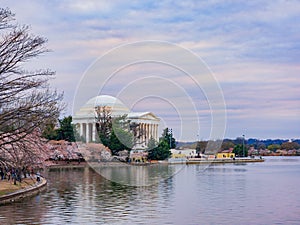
<point x="8" y="174"/>
<point x="14" y="176"/>
<point x="38" y="179"/>
<point x="1" y="174"/>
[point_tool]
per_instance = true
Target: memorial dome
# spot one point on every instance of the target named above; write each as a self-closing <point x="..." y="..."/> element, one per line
<point x="117" y="106"/>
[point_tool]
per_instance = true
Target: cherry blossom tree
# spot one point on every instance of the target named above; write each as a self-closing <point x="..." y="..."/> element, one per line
<point x="31" y="151"/>
<point x="27" y="103"/>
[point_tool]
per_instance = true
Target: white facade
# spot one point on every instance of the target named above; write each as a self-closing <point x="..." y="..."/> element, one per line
<point x="85" y="120"/>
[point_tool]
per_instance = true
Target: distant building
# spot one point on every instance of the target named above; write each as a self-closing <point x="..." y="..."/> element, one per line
<point x="138" y="156"/>
<point x="85" y="121"/>
<point x="225" y="155"/>
<point x="184" y="152"/>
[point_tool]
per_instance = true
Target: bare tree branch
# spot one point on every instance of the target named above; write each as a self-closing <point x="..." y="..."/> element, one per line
<point x="27" y="104"/>
<point x="6" y="16"/>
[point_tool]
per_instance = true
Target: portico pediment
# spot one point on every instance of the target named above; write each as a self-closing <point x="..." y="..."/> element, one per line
<point x="143" y="116"/>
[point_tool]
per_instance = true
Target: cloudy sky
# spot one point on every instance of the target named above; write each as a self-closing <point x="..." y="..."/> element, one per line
<point x="251" y="50"/>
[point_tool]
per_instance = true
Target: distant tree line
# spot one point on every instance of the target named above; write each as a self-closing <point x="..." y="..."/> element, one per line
<point x="241" y="146"/>
<point x="269" y="144"/>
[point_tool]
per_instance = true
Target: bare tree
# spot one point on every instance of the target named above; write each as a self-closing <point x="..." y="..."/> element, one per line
<point x="6" y="17"/>
<point x="139" y="134"/>
<point x="105" y="124"/>
<point x="103" y="119"/>
<point x="26" y="101"/>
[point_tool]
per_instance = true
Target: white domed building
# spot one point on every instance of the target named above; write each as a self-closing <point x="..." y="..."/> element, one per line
<point x="85" y="119"/>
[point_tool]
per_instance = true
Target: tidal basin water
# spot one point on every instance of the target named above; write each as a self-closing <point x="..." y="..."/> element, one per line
<point x="253" y="193"/>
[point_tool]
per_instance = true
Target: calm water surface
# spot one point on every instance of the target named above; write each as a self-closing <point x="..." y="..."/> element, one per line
<point x="254" y="193"/>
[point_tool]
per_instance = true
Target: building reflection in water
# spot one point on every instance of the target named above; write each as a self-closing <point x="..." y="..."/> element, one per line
<point x="81" y="195"/>
<point x="136" y="175"/>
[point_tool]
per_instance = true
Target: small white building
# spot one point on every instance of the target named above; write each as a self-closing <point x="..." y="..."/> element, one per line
<point x="85" y="119"/>
<point x="186" y="152"/>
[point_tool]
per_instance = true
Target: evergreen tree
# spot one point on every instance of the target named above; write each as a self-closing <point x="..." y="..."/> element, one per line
<point x="239" y="151"/>
<point x="151" y="144"/>
<point x="50" y="132"/>
<point x="152" y="149"/>
<point x="162" y="150"/>
<point x="66" y="130"/>
<point x="120" y="140"/>
<point x="168" y="137"/>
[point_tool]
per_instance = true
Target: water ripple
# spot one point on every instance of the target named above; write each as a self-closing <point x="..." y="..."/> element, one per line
<point x="227" y="194"/>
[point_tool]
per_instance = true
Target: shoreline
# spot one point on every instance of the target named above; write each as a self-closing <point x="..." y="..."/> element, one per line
<point x="216" y="161"/>
<point x="165" y="162"/>
<point x="24" y="193"/>
<point x="67" y="165"/>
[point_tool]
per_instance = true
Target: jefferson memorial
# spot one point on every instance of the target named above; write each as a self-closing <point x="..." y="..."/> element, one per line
<point x="85" y="119"/>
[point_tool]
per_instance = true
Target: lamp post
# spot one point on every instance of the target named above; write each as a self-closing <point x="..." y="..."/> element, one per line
<point x="170" y="137"/>
<point x="243" y="145"/>
<point x="198" y="149"/>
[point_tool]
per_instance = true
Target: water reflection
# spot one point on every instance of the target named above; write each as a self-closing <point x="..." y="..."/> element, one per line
<point x="261" y="193"/>
<point x="139" y="175"/>
<point x="81" y="195"/>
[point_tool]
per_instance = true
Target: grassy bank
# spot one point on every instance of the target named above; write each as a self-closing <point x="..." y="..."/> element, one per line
<point x="7" y="187"/>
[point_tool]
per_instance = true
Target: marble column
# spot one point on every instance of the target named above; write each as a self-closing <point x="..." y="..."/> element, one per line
<point x="81" y="129"/>
<point x="138" y="131"/>
<point x="145" y="133"/>
<point x="88" y="135"/>
<point x="84" y="130"/>
<point x="94" y="132"/>
<point x="151" y="131"/>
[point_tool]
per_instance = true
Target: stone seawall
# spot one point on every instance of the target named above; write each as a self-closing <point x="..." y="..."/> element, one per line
<point x="212" y="161"/>
<point x="23" y="193"/>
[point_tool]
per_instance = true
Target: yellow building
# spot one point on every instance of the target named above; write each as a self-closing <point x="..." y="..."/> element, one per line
<point x="225" y="155"/>
<point x="178" y="155"/>
<point x="138" y="156"/>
